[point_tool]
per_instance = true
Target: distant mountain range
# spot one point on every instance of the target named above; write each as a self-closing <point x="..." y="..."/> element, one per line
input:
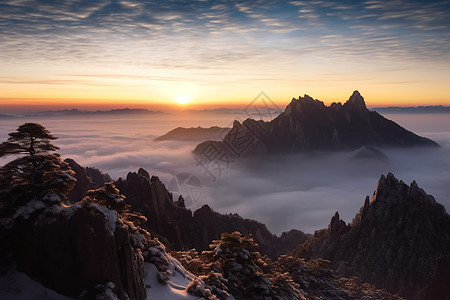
<point x="224" y="111"/>
<point x="77" y="112"/>
<point x="5" y="117"/>
<point x="308" y="125"/>
<point x="437" y="109"/>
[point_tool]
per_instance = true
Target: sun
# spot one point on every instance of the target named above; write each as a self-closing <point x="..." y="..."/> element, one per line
<point x="182" y="100"/>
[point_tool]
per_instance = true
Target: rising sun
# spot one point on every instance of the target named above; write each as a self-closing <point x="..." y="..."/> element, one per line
<point x="182" y="100"/>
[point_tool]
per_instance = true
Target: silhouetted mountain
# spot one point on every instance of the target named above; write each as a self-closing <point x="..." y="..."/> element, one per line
<point x="6" y="117"/>
<point x="194" y="134"/>
<point x="394" y="241"/>
<point x="436" y="109"/>
<point x="309" y="125"/>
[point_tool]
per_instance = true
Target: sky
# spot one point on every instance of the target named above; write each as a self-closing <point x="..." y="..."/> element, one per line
<point x="144" y="53"/>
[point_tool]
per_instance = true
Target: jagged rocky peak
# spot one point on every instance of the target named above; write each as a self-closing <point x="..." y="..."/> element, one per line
<point x="391" y="189"/>
<point x="356" y="100"/>
<point x="87" y="179"/>
<point x="337" y="226"/>
<point x="303" y="104"/>
<point x="394" y="242"/>
<point x="144" y="173"/>
<point x="308" y="125"/>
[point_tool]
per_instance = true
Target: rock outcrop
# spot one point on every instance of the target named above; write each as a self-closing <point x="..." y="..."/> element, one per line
<point x="309" y="125"/>
<point x="394" y="242"/>
<point x="75" y="250"/>
<point x="87" y="179"/>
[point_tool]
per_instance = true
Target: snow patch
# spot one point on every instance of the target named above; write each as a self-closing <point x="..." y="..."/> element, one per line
<point x="28" y="209"/>
<point x="174" y="289"/>
<point x="106" y="292"/>
<point x="51" y="197"/>
<point x="111" y="215"/>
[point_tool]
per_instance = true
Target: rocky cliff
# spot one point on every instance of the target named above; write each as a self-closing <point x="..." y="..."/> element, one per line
<point x="308" y="125"/>
<point x="394" y="242"/>
<point x="87" y="179"/>
<point x="79" y="250"/>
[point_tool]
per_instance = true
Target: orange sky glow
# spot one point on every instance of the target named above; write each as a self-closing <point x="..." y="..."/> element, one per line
<point x="145" y="54"/>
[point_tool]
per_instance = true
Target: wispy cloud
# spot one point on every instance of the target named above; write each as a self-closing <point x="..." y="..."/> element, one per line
<point x="189" y="39"/>
<point x="55" y="29"/>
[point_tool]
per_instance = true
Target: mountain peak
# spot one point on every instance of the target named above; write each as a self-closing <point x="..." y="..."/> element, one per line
<point x="357" y="100"/>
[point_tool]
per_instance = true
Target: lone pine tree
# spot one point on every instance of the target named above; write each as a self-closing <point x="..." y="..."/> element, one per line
<point x="37" y="174"/>
<point x="29" y="139"/>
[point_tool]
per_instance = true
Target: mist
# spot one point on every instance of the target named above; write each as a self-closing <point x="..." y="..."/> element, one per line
<point x="284" y="192"/>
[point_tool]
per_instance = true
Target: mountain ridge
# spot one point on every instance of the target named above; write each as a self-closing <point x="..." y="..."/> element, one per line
<point x="394" y="241"/>
<point x="308" y="125"/>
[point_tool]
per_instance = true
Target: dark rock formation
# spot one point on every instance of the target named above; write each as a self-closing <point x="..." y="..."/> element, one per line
<point x="184" y="230"/>
<point x="394" y="242"/>
<point x="83" y="184"/>
<point x="97" y="177"/>
<point x="211" y="224"/>
<point x="87" y="179"/>
<point x="309" y="125"/>
<point x="150" y="197"/>
<point x="197" y="134"/>
<point x="72" y="250"/>
<point x="439" y="287"/>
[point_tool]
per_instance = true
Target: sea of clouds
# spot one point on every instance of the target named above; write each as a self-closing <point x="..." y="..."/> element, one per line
<point x="284" y="192"/>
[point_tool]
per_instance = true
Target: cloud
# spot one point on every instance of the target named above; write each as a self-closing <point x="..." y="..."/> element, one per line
<point x="284" y="192"/>
<point x="127" y="31"/>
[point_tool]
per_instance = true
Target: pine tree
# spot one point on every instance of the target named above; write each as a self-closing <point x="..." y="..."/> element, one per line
<point x="30" y="138"/>
<point x="37" y="175"/>
<point x="107" y="196"/>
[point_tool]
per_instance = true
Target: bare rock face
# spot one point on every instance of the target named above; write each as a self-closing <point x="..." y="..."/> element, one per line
<point x="87" y="179"/>
<point x="394" y="242"/>
<point x="75" y="249"/>
<point x="83" y="183"/>
<point x="439" y="287"/>
<point x="309" y="125"/>
<point x="97" y="177"/>
<point x="150" y="197"/>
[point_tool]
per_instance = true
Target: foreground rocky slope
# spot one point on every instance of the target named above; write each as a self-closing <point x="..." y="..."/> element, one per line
<point x="234" y="267"/>
<point x="309" y="125"/>
<point x="100" y="247"/>
<point x="394" y="242"/>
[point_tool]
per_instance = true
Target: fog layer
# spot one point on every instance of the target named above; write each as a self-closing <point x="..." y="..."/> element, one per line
<point x="284" y="192"/>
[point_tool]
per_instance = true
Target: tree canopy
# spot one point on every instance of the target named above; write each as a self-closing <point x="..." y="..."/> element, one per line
<point x="37" y="175"/>
<point x="29" y="139"/>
